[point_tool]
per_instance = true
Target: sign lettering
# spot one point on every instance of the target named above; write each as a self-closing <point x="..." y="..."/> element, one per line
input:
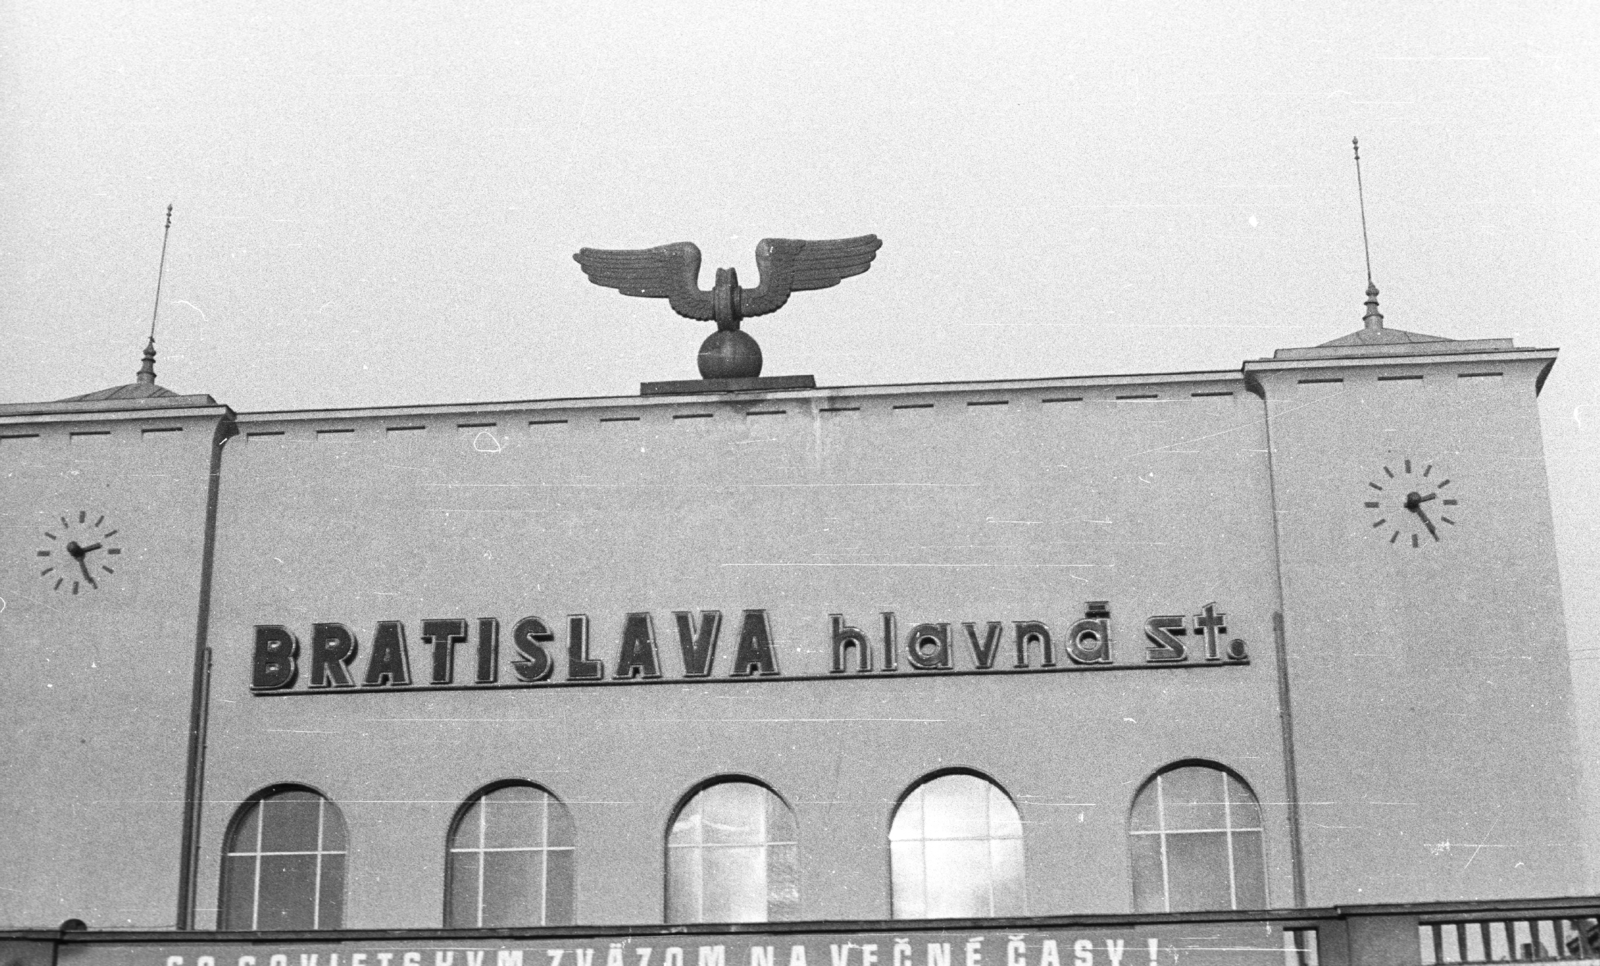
<point x="1148" y="945"/>
<point x="337" y="660"/>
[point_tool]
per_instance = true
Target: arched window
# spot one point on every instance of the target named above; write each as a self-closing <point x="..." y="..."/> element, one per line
<point x="1195" y="835"/>
<point x="510" y="860"/>
<point x="732" y="856"/>
<point x="283" y="863"/>
<point x="955" y="850"/>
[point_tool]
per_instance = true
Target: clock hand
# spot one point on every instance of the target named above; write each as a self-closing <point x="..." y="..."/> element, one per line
<point x="86" y="575"/>
<point x="1414" y="500"/>
<point x="83" y="551"/>
<point x="1431" y="531"/>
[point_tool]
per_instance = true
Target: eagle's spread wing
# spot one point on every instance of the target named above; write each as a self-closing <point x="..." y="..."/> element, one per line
<point x="664" y="272"/>
<point x="792" y="265"/>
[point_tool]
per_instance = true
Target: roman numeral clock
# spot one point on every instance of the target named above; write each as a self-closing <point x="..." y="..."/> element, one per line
<point x="1412" y="503"/>
<point x="79" y="554"/>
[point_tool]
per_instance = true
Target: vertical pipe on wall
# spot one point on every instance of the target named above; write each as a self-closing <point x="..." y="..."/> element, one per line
<point x="1291" y="776"/>
<point x="200" y="693"/>
<point x="1291" y="780"/>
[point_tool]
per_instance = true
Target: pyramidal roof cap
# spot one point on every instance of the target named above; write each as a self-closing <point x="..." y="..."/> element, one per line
<point x="1374" y="339"/>
<point x="132" y="390"/>
<point x="143" y="385"/>
<point x="142" y="393"/>
<point x="1382" y="337"/>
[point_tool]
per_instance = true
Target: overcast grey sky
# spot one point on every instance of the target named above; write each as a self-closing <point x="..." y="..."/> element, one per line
<point x="377" y="202"/>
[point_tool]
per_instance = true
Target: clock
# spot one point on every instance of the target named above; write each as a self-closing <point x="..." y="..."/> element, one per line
<point x="1413" y="503"/>
<point x="78" y="555"/>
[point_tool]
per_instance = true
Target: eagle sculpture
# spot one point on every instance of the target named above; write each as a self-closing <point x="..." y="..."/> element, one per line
<point x="672" y="272"/>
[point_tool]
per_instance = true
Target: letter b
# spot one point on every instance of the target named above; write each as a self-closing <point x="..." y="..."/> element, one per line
<point x="276" y="658"/>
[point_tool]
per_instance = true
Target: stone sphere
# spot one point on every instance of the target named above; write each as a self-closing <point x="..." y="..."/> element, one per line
<point x="729" y="355"/>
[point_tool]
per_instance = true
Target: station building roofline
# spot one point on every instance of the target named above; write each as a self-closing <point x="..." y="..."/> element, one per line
<point x="1340" y="352"/>
<point x="116" y="407"/>
<point x="821" y="393"/>
<point x="1488" y="351"/>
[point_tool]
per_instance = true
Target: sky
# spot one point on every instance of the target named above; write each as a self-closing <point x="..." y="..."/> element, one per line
<point x="376" y="203"/>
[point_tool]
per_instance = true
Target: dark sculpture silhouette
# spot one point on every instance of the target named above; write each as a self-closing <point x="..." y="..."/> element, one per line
<point x="672" y="272"/>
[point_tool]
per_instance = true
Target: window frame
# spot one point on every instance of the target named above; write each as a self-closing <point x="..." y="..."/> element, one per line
<point x="1021" y="838"/>
<point x="460" y="815"/>
<point x="1228" y="830"/>
<point x="254" y="805"/>
<point x="697" y="849"/>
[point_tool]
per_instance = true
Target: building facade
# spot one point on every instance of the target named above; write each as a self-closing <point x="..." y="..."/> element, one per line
<point x="1271" y="639"/>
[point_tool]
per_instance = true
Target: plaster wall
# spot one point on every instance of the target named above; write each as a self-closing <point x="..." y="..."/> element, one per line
<point x="1432" y="705"/>
<point x="803" y="506"/>
<point x="95" y="686"/>
<point x="1430" y="694"/>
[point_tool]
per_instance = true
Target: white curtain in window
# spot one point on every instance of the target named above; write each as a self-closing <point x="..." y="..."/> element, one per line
<point x="955" y="848"/>
<point x="732" y="856"/>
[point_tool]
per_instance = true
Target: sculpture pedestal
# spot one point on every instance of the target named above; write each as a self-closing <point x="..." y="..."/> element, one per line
<point x="753" y="384"/>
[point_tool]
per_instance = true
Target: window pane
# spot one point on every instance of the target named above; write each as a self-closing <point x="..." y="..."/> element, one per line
<point x="1192" y="798"/>
<point x="731" y="857"/>
<point x="289" y="822"/>
<point x="463" y="913"/>
<point x="508" y="834"/>
<point x="956" y="806"/>
<point x="958" y="878"/>
<point x="910" y="880"/>
<point x="558" y="888"/>
<point x="781" y="825"/>
<point x="333" y="837"/>
<point x="238" y="891"/>
<point x="468" y="834"/>
<point x="1201" y="805"/>
<point x="559" y="835"/>
<point x="907" y="822"/>
<point x="513" y="817"/>
<point x="736" y="884"/>
<point x="288" y="891"/>
<point x="512" y="892"/>
<point x="686" y="828"/>
<point x="968" y="861"/>
<point x="735" y="813"/>
<point x="783" y="882"/>
<point x="244" y="834"/>
<point x="685" y="885"/>
<point x="1149" y="888"/>
<point x="1004" y="822"/>
<point x="1249" y="871"/>
<point x="1197" y="871"/>
<point x="1145" y="817"/>
<point x="330" y="912"/>
<point x="277" y="886"/>
<point x="1005" y="859"/>
<point x="1242" y="805"/>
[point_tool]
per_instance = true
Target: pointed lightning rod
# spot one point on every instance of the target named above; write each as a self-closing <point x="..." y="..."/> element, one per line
<point x="147" y="368"/>
<point x="1373" y="318"/>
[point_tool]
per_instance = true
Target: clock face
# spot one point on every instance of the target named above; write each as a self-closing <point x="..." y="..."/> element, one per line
<point x="80" y="554"/>
<point x="1412" y="503"/>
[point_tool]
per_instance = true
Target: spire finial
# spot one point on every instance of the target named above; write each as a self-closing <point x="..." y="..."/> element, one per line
<point x="147" y="368"/>
<point x="1373" y="319"/>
